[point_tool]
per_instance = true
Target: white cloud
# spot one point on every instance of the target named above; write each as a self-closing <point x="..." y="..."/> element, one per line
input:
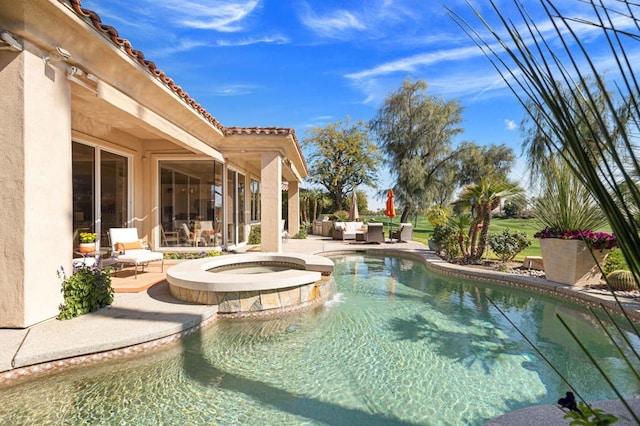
<point x="235" y="90"/>
<point x="411" y="63"/>
<point x="178" y="47"/>
<point x="510" y="124"/>
<point x="276" y="39"/>
<point x="219" y="15"/>
<point x="332" y="24"/>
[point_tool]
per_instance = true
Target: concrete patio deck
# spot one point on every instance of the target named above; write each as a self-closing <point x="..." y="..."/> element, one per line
<point x="144" y="315"/>
<point x="142" y="311"/>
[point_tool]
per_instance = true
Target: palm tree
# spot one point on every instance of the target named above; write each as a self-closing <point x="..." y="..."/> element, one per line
<point x="484" y="197"/>
<point x="312" y="203"/>
<point x="460" y="224"/>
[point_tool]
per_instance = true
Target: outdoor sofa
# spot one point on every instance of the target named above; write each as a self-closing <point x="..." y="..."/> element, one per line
<point x="347" y="230"/>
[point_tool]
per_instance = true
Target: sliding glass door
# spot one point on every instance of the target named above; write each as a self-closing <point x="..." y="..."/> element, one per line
<point x="100" y="191"/>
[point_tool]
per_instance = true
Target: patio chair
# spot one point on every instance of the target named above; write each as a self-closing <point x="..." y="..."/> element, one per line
<point x="169" y="238"/>
<point x="127" y="249"/>
<point x="192" y="238"/>
<point x="207" y="233"/>
<point x="403" y="233"/>
<point x="375" y="233"/>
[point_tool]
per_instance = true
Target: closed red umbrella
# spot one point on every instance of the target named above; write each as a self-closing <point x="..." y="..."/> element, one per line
<point x="390" y="210"/>
<point x="391" y="207"/>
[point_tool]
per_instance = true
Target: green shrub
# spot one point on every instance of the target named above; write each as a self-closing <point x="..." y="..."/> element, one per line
<point x="86" y="290"/>
<point x="255" y="235"/>
<point x="183" y="256"/>
<point x="301" y="235"/>
<point x="446" y="239"/>
<point x="437" y="216"/>
<point x="340" y="216"/>
<point x="507" y="245"/>
<point x="614" y="261"/>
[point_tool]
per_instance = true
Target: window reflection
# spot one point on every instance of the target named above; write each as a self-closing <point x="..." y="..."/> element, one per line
<point x="191" y="203"/>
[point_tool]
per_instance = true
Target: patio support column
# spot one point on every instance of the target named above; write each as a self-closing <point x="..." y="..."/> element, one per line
<point x="35" y="176"/>
<point x="271" y="202"/>
<point x="293" y="215"/>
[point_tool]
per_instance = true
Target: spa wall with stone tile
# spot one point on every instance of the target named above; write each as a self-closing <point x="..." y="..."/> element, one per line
<point x="258" y="301"/>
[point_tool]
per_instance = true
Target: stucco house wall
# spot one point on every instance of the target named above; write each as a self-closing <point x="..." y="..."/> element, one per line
<point x="102" y="94"/>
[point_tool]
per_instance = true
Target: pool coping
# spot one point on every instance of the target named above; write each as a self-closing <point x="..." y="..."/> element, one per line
<point x="195" y="274"/>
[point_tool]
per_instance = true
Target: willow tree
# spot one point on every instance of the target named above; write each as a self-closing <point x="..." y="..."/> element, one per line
<point x="415" y="132"/>
<point x="342" y="158"/>
<point x="476" y="162"/>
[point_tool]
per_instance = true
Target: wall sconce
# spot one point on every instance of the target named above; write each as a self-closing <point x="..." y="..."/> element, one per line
<point x="10" y="41"/>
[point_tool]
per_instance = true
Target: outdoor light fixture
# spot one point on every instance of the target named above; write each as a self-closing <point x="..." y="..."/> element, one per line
<point x="75" y="71"/>
<point x="61" y="54"/>
<point x="10" y="41"/>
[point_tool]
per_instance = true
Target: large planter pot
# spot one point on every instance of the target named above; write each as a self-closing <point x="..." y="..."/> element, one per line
<point x="570" y="262"/>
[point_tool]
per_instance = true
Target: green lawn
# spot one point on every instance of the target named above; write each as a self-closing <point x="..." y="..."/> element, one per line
<point x="423" y="230"/>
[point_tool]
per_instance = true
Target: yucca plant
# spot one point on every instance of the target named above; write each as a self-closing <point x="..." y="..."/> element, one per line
<point x="566" y="203"/>
<point x="588" y="128"/>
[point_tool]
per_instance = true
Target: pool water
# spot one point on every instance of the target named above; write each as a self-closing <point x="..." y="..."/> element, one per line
<point x="398" y="345"/>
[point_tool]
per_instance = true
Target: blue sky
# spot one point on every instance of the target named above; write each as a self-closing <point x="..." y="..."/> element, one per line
<point x="305" y="64"/>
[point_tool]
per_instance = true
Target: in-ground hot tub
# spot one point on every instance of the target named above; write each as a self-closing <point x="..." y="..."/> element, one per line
<point x="253" y="283"/>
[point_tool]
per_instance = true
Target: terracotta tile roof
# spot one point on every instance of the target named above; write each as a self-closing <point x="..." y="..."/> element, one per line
<point x="112" y="34"/>
<point x="259" y="130"/>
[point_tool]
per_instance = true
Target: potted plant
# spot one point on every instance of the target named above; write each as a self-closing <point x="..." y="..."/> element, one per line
<point x="87" y="242"/>
<point x="568" y="214"/>
<point x="572" y="257"/>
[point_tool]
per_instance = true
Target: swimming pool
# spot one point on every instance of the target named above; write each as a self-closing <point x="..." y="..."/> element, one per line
<point x="398" y="345"/>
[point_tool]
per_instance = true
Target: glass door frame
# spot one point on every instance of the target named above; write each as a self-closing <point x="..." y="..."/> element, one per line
<point x="236" y="209"/>
<point x="97" y="186"/>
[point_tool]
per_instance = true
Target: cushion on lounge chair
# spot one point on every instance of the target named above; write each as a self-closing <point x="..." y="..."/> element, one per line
<point x="133" y="245"/>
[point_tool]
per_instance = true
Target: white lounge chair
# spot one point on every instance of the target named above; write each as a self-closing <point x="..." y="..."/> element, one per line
<point x="128" y="249"/>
